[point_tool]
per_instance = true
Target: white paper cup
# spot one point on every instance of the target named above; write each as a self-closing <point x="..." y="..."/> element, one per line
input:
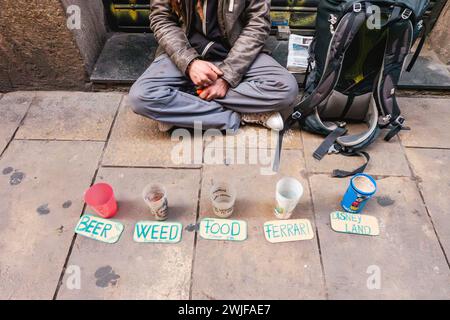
<point x="223" y="197"/>
<point x="288" y="194"/>
<point x="155" y="196"/>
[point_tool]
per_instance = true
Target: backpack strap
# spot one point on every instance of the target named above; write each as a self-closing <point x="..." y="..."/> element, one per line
<point x="343" y="37"/>
<point x="344" y="174"/>
<point x="408" y="14"/>
<point x="398" y="45"/>
<point x="419" y="48"/>
<point x="329" y="141"/>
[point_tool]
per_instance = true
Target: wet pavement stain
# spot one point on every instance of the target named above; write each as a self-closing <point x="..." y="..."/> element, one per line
<point x="105" y="277"/>
<point x="192" y="227"/>
<point x="16" y="178"/>
<point x="67" y="204"/>
<point x="385" y="201"/>
<point x="7" y="170"/>
<point x="43" y="210"/>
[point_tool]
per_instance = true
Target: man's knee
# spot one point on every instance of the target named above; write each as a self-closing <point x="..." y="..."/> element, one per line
<point x="146" y="99"/>
<point x="290" y="90"/>
<point x="136" y="99"/>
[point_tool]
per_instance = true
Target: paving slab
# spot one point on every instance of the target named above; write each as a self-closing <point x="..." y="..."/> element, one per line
<point x="433" y="174"/>
<point x="13" y="107"/>
<point x="406" y="260"/>
<point x="387" y="158"/>
<point x="136" y="141"/>
<point x="129" y="270"/>
<point x="70" y="116"/>
<point x="255" y="268"/>
<point x="429" y="119"/>
<point x="41" y="190"/>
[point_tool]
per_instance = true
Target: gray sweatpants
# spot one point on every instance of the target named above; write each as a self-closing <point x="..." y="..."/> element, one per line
<point x="161" y="93"/>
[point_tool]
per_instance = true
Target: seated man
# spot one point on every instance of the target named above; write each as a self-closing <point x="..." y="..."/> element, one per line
<point x="210" y="67"/>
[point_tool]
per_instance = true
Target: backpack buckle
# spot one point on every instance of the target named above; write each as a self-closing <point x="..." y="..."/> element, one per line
<point x="333" y="19"/>
<point x="296" y="115"/>
<point x="420" y="25"/>
<point x="335" y="149"/>
<point x="357" y="7"/>
<point x="400" y="121"/>
<point x="406" y="13"/>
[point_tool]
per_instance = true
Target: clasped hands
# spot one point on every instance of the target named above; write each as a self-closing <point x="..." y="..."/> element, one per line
<point x="207" y="77"/>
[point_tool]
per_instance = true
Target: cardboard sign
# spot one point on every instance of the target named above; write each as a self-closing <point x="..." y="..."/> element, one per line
<point x="157" y="232"/>
<point x="288" y="230"/>
<point x="354" y="223"/>
<point x="221" y="229"/>
<point x="96" y="228"/>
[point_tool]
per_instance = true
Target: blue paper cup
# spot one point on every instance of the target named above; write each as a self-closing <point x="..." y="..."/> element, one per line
<point x="362" y="188"/>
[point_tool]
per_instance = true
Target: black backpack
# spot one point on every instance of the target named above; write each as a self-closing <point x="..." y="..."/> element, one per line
<point x="356" y="65"/>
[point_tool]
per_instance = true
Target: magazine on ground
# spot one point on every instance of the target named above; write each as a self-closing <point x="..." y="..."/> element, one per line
<point x="298" y="53"/>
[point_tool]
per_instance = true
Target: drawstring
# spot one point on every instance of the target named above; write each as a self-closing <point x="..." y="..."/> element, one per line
<point x="231" y="6"/>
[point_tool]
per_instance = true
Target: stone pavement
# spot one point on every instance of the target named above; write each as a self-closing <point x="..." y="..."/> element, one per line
<point x="54" y="145"/>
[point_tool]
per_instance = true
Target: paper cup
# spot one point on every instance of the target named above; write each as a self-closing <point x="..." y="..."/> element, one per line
<point x="223" y="198"/>
<point x="100" y="197"/>
<point x="288" y="194"/>
<point x="155" y="196"/>
<point x="362" y="188"/>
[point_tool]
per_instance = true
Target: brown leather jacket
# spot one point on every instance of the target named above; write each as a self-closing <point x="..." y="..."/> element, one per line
<point x="245" y="24"/>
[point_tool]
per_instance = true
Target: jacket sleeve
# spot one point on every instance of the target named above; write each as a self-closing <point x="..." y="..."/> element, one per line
<point x="250" y="42"/>
<point x="170" y="36"/>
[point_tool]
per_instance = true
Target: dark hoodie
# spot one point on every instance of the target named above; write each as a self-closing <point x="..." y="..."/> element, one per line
<point x="205" y="35"/>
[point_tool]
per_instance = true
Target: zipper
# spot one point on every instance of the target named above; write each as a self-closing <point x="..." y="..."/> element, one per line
<point x="208" y="46"/>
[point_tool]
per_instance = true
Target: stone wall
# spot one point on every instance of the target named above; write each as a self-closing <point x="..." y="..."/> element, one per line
<point x="38" y="51"/>
<point x="440" y="37"/>
<point x="92" y="35"/>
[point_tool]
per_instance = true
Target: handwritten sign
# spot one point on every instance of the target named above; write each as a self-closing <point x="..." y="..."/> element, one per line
<point x="354" y="223"/>
<point x="288" y="230"/>
<point x="96" y="228"/>
<point x="221" y="229"/>
<point x="157" y="232"/>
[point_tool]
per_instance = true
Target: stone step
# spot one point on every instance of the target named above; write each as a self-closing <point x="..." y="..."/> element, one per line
<point x="126" y="56"/>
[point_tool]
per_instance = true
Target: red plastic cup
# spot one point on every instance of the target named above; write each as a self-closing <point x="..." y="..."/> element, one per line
<point x="100" y="197"/>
